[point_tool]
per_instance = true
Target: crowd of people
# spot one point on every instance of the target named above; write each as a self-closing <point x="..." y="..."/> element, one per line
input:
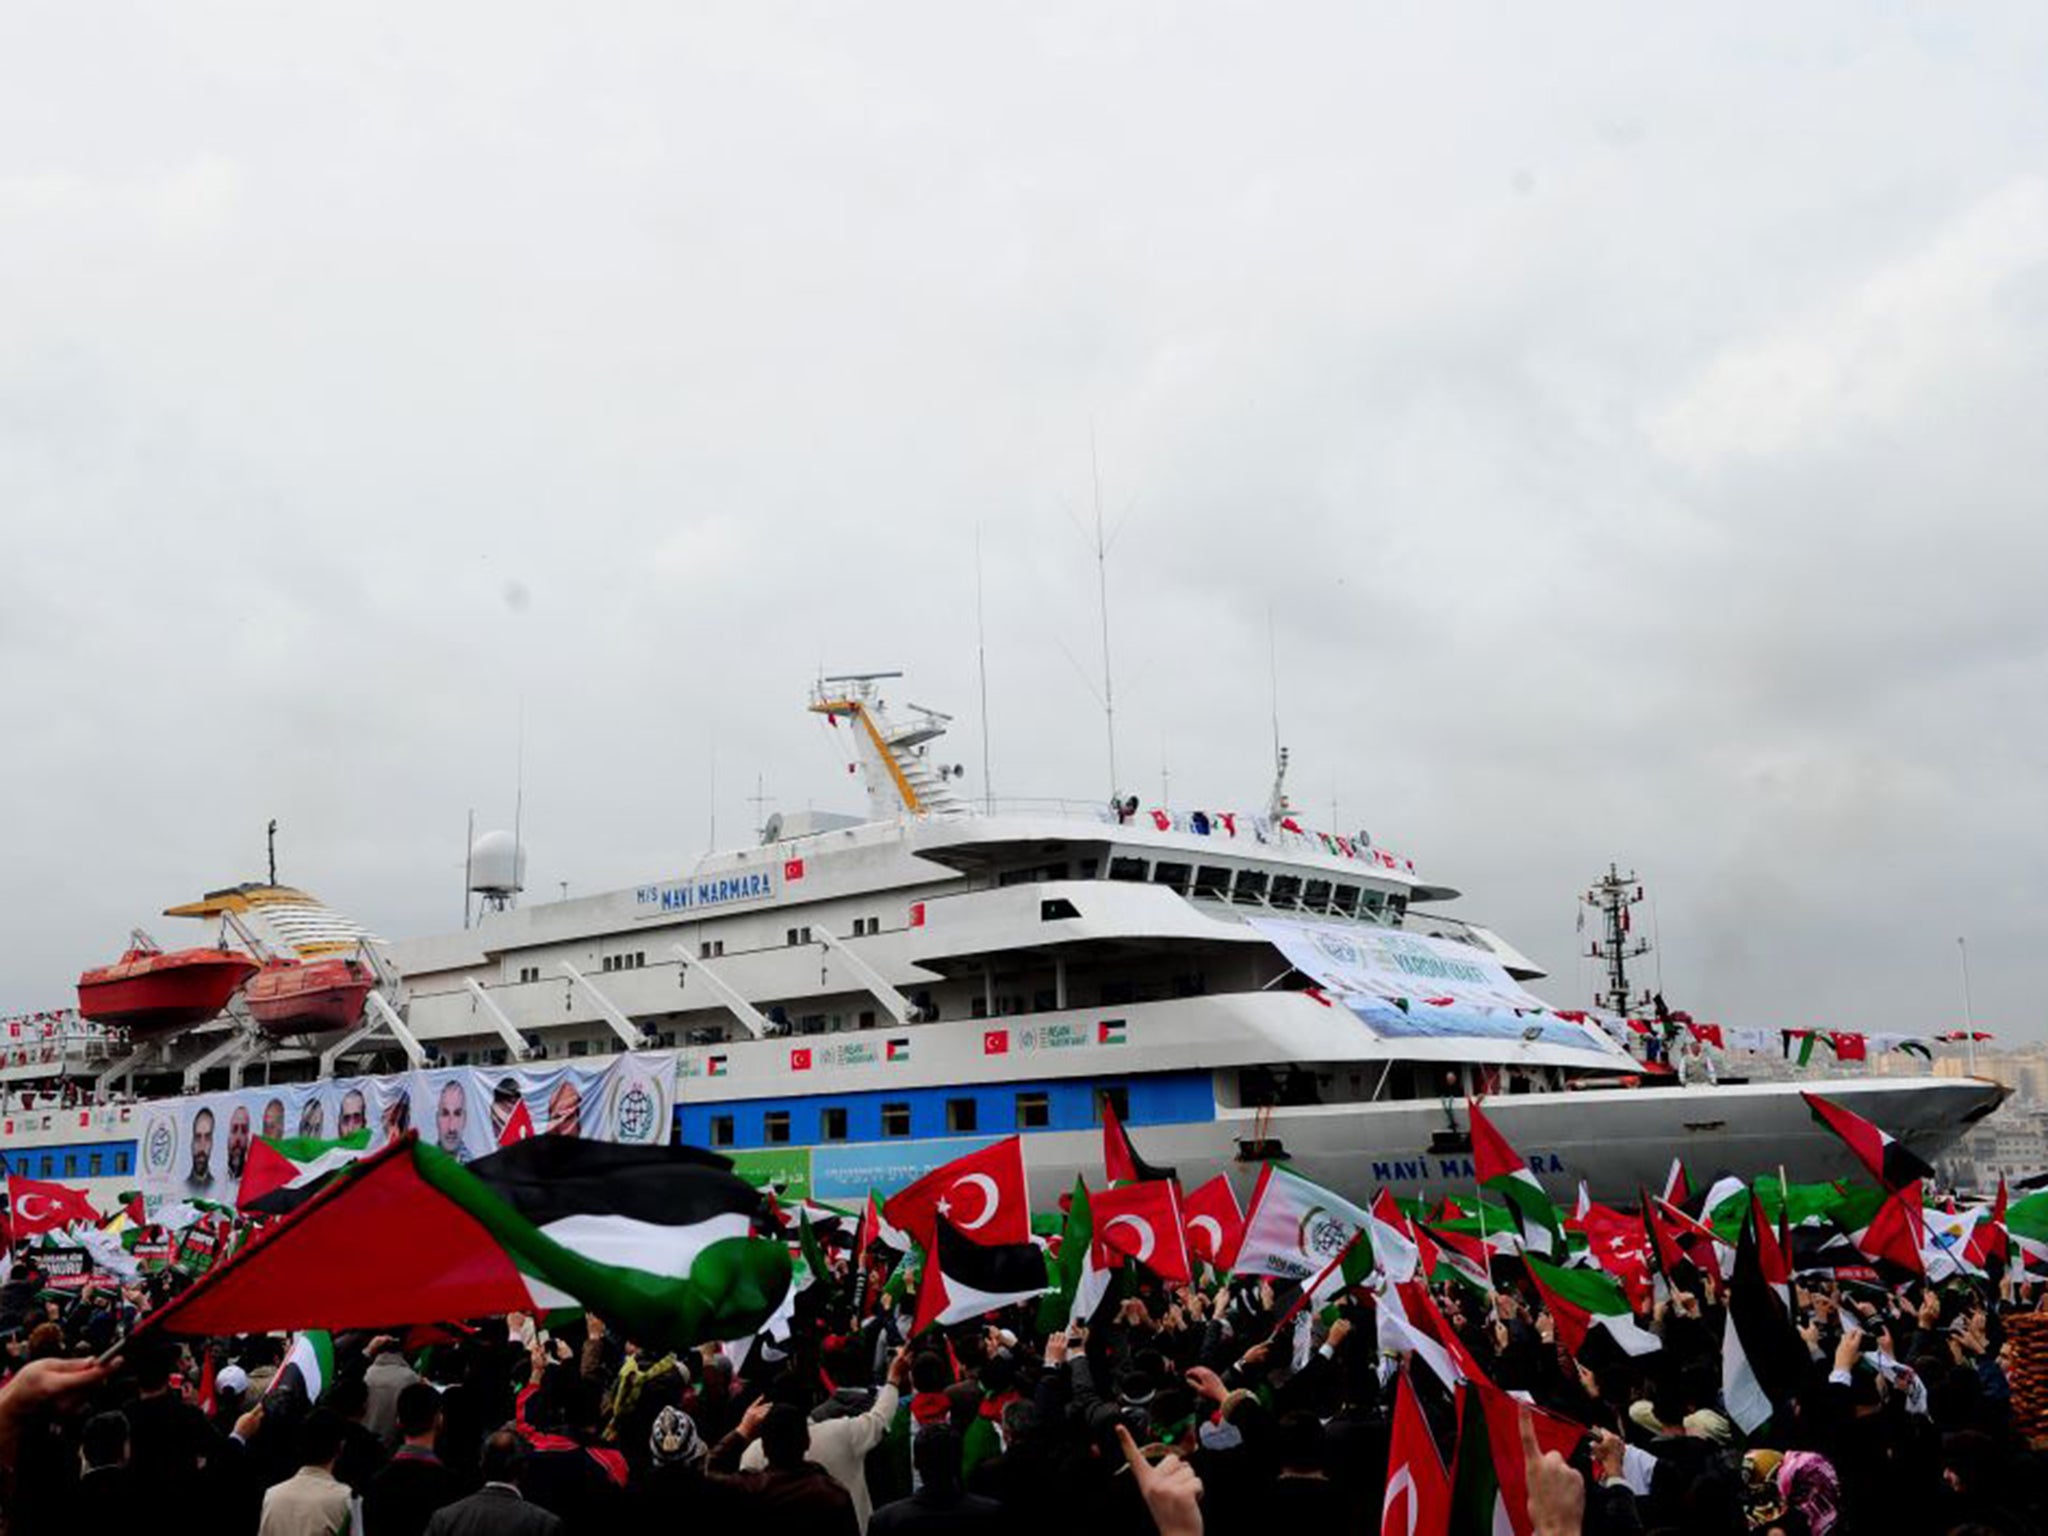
<point x="1177" y="1408"/>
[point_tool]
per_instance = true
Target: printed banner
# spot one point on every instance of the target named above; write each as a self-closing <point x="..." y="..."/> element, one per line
<point x="1409" y="985"/>
<point x="196" y="1148"/>
<point x="849" y="1172"/>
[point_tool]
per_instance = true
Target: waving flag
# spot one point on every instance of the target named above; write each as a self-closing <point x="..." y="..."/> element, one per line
<point x="1490" y="1481"/>
<point x="1215" y="1222"/>
<point x="1580" y="1300"/>
<point x="1987" y="1240"/>
<point x="1143" y="1222"/>
<point x="1763" y="1359"/>
<point x="964" y="1278"/>
<point x="1295" y="1228"/>
<point x="34" y="1206"/>
<point x="982" y="1195"/>
<point x="1120" y="1160"/>
<point x="1418" y="1497"/>
<point x="282" y="1174"/>
<point x="1891" y="1162"/>
<point x="1677" y="1187"/>
<point x="1079" y="1279"/>
<point x="1506" y="1174"/>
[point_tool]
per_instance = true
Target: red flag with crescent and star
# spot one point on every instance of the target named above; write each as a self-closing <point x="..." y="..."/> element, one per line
<point x="1142" y="1222"/>
<point x="1214" y="1222"/>
<point x="982" y="1196"/>
<point x="34" y="1206"/>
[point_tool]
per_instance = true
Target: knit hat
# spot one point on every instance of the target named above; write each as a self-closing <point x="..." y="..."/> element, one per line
<point x="675" y="1440"/>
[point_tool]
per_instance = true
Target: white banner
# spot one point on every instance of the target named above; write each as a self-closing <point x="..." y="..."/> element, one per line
<point x="196" y="1148"/>
<point x="1409" y="985"/>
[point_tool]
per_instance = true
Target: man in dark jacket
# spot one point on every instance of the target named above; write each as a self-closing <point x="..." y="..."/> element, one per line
<point x="498" y="1508"/>
<point x="404" y="1494"/>
<point x="941" y="1506"/>
<point x="791" y="1493"/>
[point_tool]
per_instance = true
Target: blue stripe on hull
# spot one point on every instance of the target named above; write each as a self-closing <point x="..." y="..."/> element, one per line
<point x="72" y="1160"/>
<point x="1160" y="1098"/>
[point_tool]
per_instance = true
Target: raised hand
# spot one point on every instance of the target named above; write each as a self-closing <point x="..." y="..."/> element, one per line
<point x="1172" y="1492"/>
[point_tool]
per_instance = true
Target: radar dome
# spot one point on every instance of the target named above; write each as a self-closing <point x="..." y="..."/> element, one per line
<point x="497" y="865"/>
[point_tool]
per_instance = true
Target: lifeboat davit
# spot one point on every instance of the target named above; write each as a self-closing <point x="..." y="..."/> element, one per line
<point x="309" y="997"/>
<point x="149" y="991"/>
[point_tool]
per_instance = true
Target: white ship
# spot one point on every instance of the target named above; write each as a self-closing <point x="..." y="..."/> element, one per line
<point x="860" y="997"/>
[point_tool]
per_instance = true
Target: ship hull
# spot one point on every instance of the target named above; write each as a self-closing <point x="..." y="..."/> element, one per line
<point x="1616" y="1141"/>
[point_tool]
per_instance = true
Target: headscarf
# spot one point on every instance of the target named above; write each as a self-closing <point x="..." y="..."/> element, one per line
<point x="674" y="1440"/>
<point x="1808" y="1482"/>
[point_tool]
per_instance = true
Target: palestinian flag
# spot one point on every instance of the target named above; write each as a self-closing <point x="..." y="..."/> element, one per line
<point x="1506" y="1174"/>
<point x="1677" y="1187"/>
<point x="2026" y="1224"/>
<point x="964" y="1279"/>
<point x="309" y="1360"/>
<point x="1418" y="1496"/>
<point x="1490" y="1481"/>
<point x="1078" y="1282"/>
<point x="1580" y="1300"/>
<point x="1799" y="1045"/>
<point x="1897" y="1233"/>
<point x="1987" y="1240"/>
<point x="1120" y="1160"/>
<point x="1763" y="1360"/>
<point x="1453" y="1256"/>
<point x="1295" y="1228"/>
<point x="657" y="1240"/>
<point x="282" y="1175"/>
<point x="1891" y="1162"/>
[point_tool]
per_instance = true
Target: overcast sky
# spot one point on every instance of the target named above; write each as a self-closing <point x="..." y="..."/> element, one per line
<point x="1632" y="424"/>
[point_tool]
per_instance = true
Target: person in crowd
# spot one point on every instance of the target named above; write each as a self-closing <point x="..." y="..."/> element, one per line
<point x="311" y="1502"/>
<point x="387" y="1377"/>
<point x="942" y="1506"/>
<point x="406" y="1491"/>
<point x="498" y="1508"/>
<point x="790" y="1491"/>
<point x="106" y="1489"/>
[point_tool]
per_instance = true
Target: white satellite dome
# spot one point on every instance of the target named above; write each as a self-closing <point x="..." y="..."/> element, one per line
<point x="497" y="865"/>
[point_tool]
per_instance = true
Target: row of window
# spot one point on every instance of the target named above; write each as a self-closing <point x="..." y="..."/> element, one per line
<point x="1033" y="1112"/>
<point x="630" y="962"/>
<point x="72" y="1162"/>
<point x="1216" y="882"/>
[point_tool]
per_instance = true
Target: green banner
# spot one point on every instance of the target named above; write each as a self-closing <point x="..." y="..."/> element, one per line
<point x="787" y="1169"/>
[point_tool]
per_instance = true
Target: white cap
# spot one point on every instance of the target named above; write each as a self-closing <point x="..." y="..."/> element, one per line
<point x="231" y="1378"/>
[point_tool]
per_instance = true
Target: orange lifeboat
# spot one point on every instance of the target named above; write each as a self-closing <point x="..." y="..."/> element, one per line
<point x="309" y="997"/>
<point x="150" y="991"/>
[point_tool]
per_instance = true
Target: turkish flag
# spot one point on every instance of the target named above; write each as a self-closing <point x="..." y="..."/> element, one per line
<point x="995" y="1042"/>
<point x="1142" y="1222"/>
<point x="800" y="1059"/>
<point x="1213" y="1220"/>
<point x="1849" y="1046"/>
<point x="982" y="1196"/>
<point x="1418" y="1496"/>
<point x="518" y="1125"/>
<point x="792" y="869"/>
<point x="34" y="1206"/>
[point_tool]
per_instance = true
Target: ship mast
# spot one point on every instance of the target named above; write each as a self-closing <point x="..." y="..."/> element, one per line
<point x="1611" y="897"/>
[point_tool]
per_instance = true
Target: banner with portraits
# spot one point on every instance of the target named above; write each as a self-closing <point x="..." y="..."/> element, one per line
<point x="196" y="1148"/>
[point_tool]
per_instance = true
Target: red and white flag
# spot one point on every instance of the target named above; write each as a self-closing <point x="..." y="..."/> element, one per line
<point x="1214" y="1222"/>
<point x="982" y="1196"/>
<point x="1418" y="1497"/>
<point x="34" y="1207"/>
<point x="1142" y="1222"/>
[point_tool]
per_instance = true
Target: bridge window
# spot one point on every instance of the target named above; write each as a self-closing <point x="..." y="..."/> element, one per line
<point x="1211" y="881"/>
<point x="961" y="1115"/>
<point x="1344" y="900"/>
<point x="1251" y="887"/>
<point x="1056" y="910"/>
<point x="721" y="1130"/>
<point x="1128" y="869"/>
<point x="832" y="1123"/>
<point x="895" y="1119"/>
<point x="1034" y="1111"/>
<point x="1175" y="875"/>
<point x="1286" y="891"/>
<point x="1315" y="895"/>
<point x="775" y="1127"/>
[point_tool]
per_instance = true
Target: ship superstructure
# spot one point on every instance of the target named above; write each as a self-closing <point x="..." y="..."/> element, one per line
<point x="856" y="995"/>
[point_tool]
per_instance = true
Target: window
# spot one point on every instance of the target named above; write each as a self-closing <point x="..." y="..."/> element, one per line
<point x="1175" y="875"/>
<point x="1127" y="869"/>
<point x="799" y="936"/>
<point x="1344" y="899"/>
<point x="977" y="1007"/>
<point x="92" y="1170"/>
<point x="1372" y="902"/>
<point x="70" y="1165"/>
<point x="1034" y="1112"/>
<point x="529" y="973"/>
<point x="863" y="927"/>
<point x="611" y="963"/>
<point x="895" y="1119"/>
<point x="579" y="1047"/>
<point x="710" y="949"/>
<point x="775" y="1127"/>
<point x="1118" y="1099"/>
<point x="832" y="1123"/>
<point x="1286" y="891"/>
<point x="1056" y="910"/>
<point x="1251" y="887"/>
<point x="1211" y="881"/>
<point x="122" y="1162"/>
<point x="961" y="1115"/>
<point x="1316" y="895"/>
<point x="1397" y="907"/>
<point x="867" y="1018"/>
<point x="721" y="1130"/>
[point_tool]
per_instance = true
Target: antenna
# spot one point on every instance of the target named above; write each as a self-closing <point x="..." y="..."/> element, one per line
<point x="1102" y="594"/>
<point x="468" y="866"/>
<point x="760" y="800"/>
<point x="519" y="794"/>
<point x="273" y="850"/>
<point x="988" y="783"/>
<point x="1277" y="806"/>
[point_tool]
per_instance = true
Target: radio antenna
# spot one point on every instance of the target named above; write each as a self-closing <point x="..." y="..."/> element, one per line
<point x="519" y="798"/>
<point x="988" y="783"/>
<point x="1102" y="596"/>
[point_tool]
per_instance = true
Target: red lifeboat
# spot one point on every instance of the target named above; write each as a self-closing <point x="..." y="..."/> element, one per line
<point x="150" y="991"/>
<point x="309" y="997"/>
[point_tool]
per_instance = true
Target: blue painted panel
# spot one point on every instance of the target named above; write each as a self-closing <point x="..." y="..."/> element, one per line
<point x="1163" y="1098"/>
<point x="72" y="1160"/>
